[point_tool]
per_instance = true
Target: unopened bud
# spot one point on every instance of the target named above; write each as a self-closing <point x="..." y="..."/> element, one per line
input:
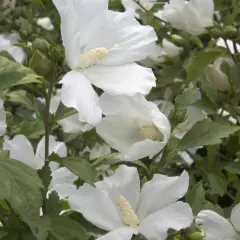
<point x="41" y="45"/>
<point x="178" y="40"/>
<point x="198" y="234"/>
<point x="230" y="32"/>
<point x="216" y="32"/>
<point x="40" y="63"/>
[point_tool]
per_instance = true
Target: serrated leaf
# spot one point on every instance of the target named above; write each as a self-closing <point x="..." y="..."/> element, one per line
<point x="80" y="167"/>
<point x="12" y="73"/>
<point x="217" y="183"/>
<point x="200" y="62"/>
<point x="53" y="204"/>
<point x="63" y="112"/>
<point x="21" y="187"/>
<point x="61" y="228"/>
<point x="205" y="133"/>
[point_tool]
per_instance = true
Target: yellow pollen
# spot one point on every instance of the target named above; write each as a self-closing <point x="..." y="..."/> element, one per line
<point x="151" y="132"/>
<point x="90" y="58"/>
<point x="129" y="217"/>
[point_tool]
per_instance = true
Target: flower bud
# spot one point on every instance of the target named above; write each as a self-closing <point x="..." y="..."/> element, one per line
<point x="40" y="63"/>
<point x="178" y="40"/>
<point x="194" y="234"/>
<point x="41" y="44"/>
<point x="218" y="79"/>
<point x="230" y="32"/>
<point x="216" y="32"/>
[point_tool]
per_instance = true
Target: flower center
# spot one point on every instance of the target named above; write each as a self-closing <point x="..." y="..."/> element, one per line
<point x="129" y="217"/>
<point x="151" y="132"/>
<point x="91" y="57"/>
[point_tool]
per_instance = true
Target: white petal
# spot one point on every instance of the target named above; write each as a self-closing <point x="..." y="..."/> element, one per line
<point x="119" y="132"/>
<point x="136" y="106"/>
<point x="127" y="79"/>
<point x="55" y="101"/>
<point x="127" y="183"/>
<point x="96" y="207"/>
<point x="235" y="217"/>
<point x="54" y="146"/>
<point x="3" y="124"/>
<point x="21" y="149"/>
<point x="99" y="150"/>
<point x="78" y="93"/>
<point x="127" y="40"/>
<point x="215" y="226"/>
<point x="124" y="233"/>
<point x="45" y="23"/>
<point x="176" y="216"/>
<point x="72" y="124"/>
<point x="160" y="192"/>
<point x="142" y="149"/>
<point x="63" y="182"/>
<point x="170" y="49"/>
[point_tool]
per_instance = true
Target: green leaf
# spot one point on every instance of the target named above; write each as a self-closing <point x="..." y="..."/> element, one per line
<point x="53" y="204"/>
<point x="80" y="167"/>
<point x="217" y="183"/>
<point x="20" y="97"/>
<point x="188" y="97"/>
<point x="233" y="168"/>
<point x="21" y="187"/>
<point x="12" y="73"/>
<point x="196" y="197"/>
<point x="61" y="228"/>
<point x="200" y="62"/>
<point x="63" y="112"/>
<point x="205" y="133"/>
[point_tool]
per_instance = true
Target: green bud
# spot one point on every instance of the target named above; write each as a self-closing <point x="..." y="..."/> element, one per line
<point x="177" y="115"/>
<point x="216" y="32"/>
<point x="40" y="63"/>
<point x="198" y="235"/>
<point x="230" y="32"/>
<point x="41" y="44"/>
<point x="178" y="40"/>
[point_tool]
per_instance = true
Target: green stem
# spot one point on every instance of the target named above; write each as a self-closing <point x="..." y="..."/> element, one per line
<point x="47" y="125"/>
<point x="232" y="55"/>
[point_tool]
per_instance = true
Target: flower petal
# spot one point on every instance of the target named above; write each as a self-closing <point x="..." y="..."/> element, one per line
<point x="235" y="217"/>
<point x="127" y="183"/>
<point x="127" y="79"/>
<point x="78" y="93"/>
<point x="96" y="207"/>
<point x="21" y="149"/>
<point x="72" y="124"/>
<point x="124" y="233"/>
<point x="142" y="149"/>
<point x="136" y="106"/>
<point x="3" y="124"/>
<point x="127" y="40"/>
<point x="160" y="192"/>
<point x="119" y="132"/>
<point x="215" y="226"/>
<point x="63" y="182"/>
<point x="176" y="216"/>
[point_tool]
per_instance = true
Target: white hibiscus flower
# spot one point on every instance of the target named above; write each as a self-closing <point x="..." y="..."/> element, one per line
<point x="133" y="126"/>
<point x="190" y="16"/>
<point x="217" y="227"/>
<point x="101" y="47"/>
<point x="117" y="205"/>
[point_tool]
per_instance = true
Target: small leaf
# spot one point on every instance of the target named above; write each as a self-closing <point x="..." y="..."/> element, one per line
<point x="196" y="197"/>
<point x="217" y="183"/>
<point x="188" y="97"/>
<point x="61" y="228"/>
<point x="63" y="112"/>
<point x="80" y="167"/>
<point x="12" y="73"/>
<point x="53" y="204"/>
<point x="205" y="133"/>
<point x="233" y="168"/>
<point x="200" y="62"/>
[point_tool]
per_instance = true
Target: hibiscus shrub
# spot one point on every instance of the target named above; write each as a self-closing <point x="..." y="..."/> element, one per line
<point x="119" y="120"/>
